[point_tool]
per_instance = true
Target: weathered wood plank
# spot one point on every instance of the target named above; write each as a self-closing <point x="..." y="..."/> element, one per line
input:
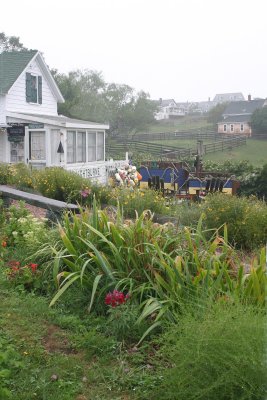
<point x="36" y="200"/>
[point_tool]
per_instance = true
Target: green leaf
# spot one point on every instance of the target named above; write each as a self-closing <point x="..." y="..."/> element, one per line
<point x="95" y="285"/>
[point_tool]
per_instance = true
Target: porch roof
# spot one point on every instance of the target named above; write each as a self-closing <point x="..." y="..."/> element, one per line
<point x="57" y="120"/>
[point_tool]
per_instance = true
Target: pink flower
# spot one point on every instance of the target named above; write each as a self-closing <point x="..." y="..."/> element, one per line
<point x="85" y="193"/>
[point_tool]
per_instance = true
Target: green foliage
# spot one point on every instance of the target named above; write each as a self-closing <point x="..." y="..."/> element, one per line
<point x="215" y="114"/>
<point x="10" y="43"/>
<point x="89" y="97"/>
<point x="259" y="120"/>
<point x="4" y="173"/>
<point x="59" y="184"/>
<point x="21" y="176"/>
<point x="9" y="364"/>
<point x="213" y="354"/>
<point x="238" y="168"/>
<point x="137" y="201"/>
<point x="261" y="183"/>
<point x="246" y="219"/>
<point x="121" y="323"/>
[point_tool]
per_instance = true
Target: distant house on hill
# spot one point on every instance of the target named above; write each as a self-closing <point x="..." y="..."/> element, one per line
<point x="168" y="109"/>
<point x="205" y="106"/>
<point x="32" y="132"/>
<point x="228" y="97"/>
<point x="237" y="115"/>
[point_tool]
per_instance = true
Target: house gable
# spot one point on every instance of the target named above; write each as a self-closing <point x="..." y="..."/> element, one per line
<point x="11" y="66"/>
<point x="34" y="77"/>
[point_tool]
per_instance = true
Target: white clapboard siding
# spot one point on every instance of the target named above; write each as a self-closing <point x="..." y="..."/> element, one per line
<point x="2" y="110"/>
<point x="16" y="98"/>
<point x="2" y="147"/>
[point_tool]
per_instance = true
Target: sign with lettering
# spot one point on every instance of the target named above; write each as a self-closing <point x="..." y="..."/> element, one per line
<point x="16" y="131"/>
<point x="36" y="126"/>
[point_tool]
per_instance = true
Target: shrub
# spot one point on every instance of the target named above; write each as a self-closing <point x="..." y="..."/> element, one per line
<point x="21" y="176"/>
<point x="246" y="219"/>
<point x="216" y="355"/>
<point x="4" y="173"/>
<point x="133" y="201"/>
<point x="59" y="184"/>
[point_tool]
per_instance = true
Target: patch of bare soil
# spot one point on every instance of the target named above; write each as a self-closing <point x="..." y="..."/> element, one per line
<point x="37" y="212"/>
<point x="55" y="341"/>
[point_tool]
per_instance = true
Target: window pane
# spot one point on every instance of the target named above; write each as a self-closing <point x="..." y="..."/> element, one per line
<point x="100" y="146"/>
<point x="71" y="146"/>
<point x="91" y="140"/>
<point x="37" y="146"/>
<point x="33" y="89"/>
<point x="81" y="146"/>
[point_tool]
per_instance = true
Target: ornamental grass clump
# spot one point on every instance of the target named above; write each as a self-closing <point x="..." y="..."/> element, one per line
<point x="217" y="353"/>
<point x="162" y="267"/>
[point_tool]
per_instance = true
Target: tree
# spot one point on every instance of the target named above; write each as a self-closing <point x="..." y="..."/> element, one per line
<point x="128" y="111"/>
<point x="259" y="120"/>
<point x="89" y="97"/>
<point x="10" y="43"/>
<point x="83" y="94"/>
<point x="215" y="114"/>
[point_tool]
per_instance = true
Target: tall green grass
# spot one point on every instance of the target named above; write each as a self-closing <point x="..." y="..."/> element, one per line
<point x="213" y="354"/>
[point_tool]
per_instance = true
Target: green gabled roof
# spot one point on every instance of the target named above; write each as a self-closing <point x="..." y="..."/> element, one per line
<point x="12" y="64"/>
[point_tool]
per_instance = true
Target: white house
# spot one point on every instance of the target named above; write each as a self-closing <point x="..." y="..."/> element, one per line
<point x="31" y="131"/>
<point x="168" y="109"/>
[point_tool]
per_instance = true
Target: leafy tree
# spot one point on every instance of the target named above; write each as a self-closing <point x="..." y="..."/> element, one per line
<point x="10" y="43"/>
<point x="216" y="112"/>
<point x="128" y="111"/>
<point x="88" y="96"/>
<point x="83" y="94"/>
<point x="259" y="120"/>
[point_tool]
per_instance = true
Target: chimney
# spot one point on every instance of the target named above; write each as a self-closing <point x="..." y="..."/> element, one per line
<point x="249" y="97"/>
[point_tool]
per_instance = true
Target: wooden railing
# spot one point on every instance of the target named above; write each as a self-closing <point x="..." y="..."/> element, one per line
<point x="166" y="152"/>
<point x="54" y="207"/>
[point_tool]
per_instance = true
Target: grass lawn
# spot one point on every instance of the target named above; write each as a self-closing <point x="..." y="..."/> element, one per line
<point x="255" y="152"/>
<point x="59" y="355"/>
<point x="184" y="123"/>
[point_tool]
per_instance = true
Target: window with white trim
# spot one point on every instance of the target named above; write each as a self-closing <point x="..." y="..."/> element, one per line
<point x="33" y="88"/>
<point x="241" y="127"/>
<point x="81" y="147"/>
<point x="100" y="146"/>
<point x="71" y="146"/>
<point x="85" y="146"/>
<point x="225" y="128"/>
<point x="232" y="128"/>
<point x="91" y="146"/>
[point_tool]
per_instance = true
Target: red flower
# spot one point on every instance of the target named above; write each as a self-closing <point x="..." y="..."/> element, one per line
<point x="115" y="298"/>
<point x="4" y="243"/>
<point x="33" y="267"/>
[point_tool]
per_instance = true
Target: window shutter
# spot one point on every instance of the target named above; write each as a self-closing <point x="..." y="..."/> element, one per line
<point x="28" y="87"/>
<point x="40" y="98"/>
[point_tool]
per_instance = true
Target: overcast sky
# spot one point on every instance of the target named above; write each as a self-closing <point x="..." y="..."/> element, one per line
<point x="188" y="50"/>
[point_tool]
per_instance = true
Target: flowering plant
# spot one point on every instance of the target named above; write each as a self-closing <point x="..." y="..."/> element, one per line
<point x="26" y="275"/>
<point x="116" y="298"/>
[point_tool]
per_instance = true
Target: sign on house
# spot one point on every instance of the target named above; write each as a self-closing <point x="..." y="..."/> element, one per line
<point x="16" y="133"/>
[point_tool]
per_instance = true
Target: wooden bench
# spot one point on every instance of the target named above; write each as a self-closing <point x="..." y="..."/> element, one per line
<point x="54" y="207"/>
